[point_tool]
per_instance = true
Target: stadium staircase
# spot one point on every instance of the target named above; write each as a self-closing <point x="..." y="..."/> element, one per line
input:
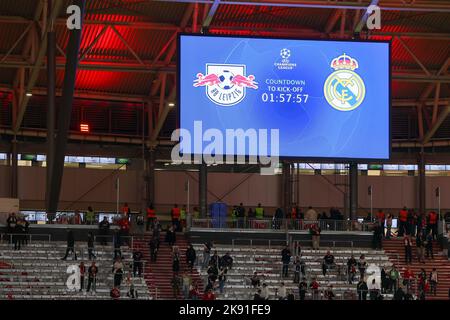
<point x="267" y="262"/>
<point x="37" y="272"/>
<point x="395" y="250"/>
<point x="159" y="275"/>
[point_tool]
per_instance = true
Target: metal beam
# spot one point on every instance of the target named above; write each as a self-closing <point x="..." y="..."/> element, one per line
<point x="211" y="13"/>
<point x="332" y="20"/>
<point x="35" y="71"/>
<point x="364" y="18"/>
<point x="393" y="5"/>
<point x="437" y="124"/>
<point x="65" y="112"/>
<point x="127" y="45"/>
<point x="436" y="103"/>
<point x="94" y="42"/>
<point x="414" y="56"/>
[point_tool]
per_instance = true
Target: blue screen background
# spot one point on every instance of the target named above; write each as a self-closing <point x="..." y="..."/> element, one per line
<point x="314" y="129"/>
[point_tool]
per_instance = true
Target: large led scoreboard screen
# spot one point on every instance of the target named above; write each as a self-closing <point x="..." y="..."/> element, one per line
<point x="328" y="99"/>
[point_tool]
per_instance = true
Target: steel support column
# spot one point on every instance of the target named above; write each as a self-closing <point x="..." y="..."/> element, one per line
<point x="51" y="111"/>
<point x="14" y="173"/>
<point x="65" y="111"/>
<point x="286" y="188"/>
<point x="150" y="177"/>
<point x="353" y="172"/>
<point x="202" y="189"/>
<point x="422" y="198"/>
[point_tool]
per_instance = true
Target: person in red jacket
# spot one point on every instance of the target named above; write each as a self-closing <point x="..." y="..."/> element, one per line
<point x="151" y="215"/>
<point x="402" y="221"/>
<point x="432" y="221"/>
<point x="126" y="211"/>
<point x="381" y="218"/>
<point x="209" y="295"/>
<point x="408" y="277"/>
<point x="176" y="217"/>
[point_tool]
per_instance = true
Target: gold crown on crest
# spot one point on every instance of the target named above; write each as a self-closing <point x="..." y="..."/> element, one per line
<point x="344" y="62"/>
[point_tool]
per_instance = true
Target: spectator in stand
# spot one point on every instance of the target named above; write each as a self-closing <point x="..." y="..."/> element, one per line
<point x="433" y="281"/>
<point x="408" y="250"/>
<point x="297" y="269"/>
<point x="362" y="289"/>
<point x="213" y="273"/>
<point x="70" y="245"/>
<point x="77" y="217"/>
<point x="410" y="222"/>
<point x="115" y="293"/>
<point x="286" y="259"/>
<point x="175" y="260"/>
<point x="432" y="221"/>
<point x="351" y="269"/>
<point x="90" y="216"/>
<point x="315" y="230"/>
<point x="420" y="246"/>
<point x="90" y="245"/>
<point x="11" y="223"/>
<point x="311" y="214"/>
<point x="384" y="281"/>
<point x="329" y="294"/>
<point x="206" y="254"/>
<point x="126" y="211"/>
<point x="226" y="261"/>
<point x="281" y="292"/>
<point x="191" y="256"/>
<point x="137" y="263"/>
<point x="118" y="270"/>
<point x="377" y="241"/>
<point x="132" y="293"/>
<point x="176" y="212"/>
<point x="209" y="296"/>
<point x="408" y="278"/>
<point x="388" y="226"/>
<point x="215" y="259"/>
<point x="402" y="221"/>
<point x="362" y="266"/>
<point x="259" y="212"/>
<point x="151" y="215"/>
<point x="381" y="219"/>
<point x="265" y="293"/>
<point x="290" y="295"/>
<point x="327" y="263"/>
<point x="104" y="231"/>
<point x="394" y="275"/>
<point x="423" y="284"/>
<point x="250" y="214"/>
<point x="314" y="286"/>
<point x="399" y="294"/>
<point x="429" y="245"/>
<point x="414" y="221"/>
<point x="257" y="296"/>
<point x="82" y="273"/>
<point x="278" y="218"/>
<point x="422" y="225"/>
<point x="194" y="293"/>
<point x="302" y="288"/>
<point x="183" y="213"/>
<point x="255" y="280"/>
<point x="241" y="215"/>
<point x="374" y="290"/>
<point x="117" y="242"/>
<point x="171" y="236"/>
<point x="176" y="284"/>
<point x="222" y="277"/>
<point x="152" y="244"/>
<point x="92" y="277"/>
<point x="187" y="282"/>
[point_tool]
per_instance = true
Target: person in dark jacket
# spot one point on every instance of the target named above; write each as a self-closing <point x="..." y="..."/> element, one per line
<point x="117" y="240"/>
<point x="399" y="294"/>
<point x="90" y="243"/>
<point x="302" y="288"/>
<point x="153" y="246"/>
<point x="362" y="289"/>
<point x="103" y="228"/>
<point x="137" y="263"/>
<point x="286" y="259"/>
<point x="429" y="245"/>
<point x="191" y="256"/>
<point x="70" y="245"/>
<point x="170" y="236"/>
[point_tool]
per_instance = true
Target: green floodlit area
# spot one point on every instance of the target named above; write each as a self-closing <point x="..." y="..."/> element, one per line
<point x="224" y="150"/>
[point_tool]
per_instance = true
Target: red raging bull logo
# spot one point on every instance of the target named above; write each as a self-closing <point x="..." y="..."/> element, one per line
<point x="225" y="84"/>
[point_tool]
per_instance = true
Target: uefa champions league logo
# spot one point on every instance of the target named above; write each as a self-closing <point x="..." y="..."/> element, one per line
<point x="285" y="64"/>
<point x="225" y="84"/>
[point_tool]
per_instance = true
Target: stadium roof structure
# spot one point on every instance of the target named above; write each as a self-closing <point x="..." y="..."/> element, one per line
<point x="127" y="61"/>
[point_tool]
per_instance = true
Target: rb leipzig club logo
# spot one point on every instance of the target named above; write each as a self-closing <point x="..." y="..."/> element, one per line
<point x="225" y="84"/>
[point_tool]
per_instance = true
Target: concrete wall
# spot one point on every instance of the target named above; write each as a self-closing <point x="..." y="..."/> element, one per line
<point x="97" y="188"/>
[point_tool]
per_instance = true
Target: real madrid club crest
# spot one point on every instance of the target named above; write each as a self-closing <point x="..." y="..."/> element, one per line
<point x="344" y="89"/>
